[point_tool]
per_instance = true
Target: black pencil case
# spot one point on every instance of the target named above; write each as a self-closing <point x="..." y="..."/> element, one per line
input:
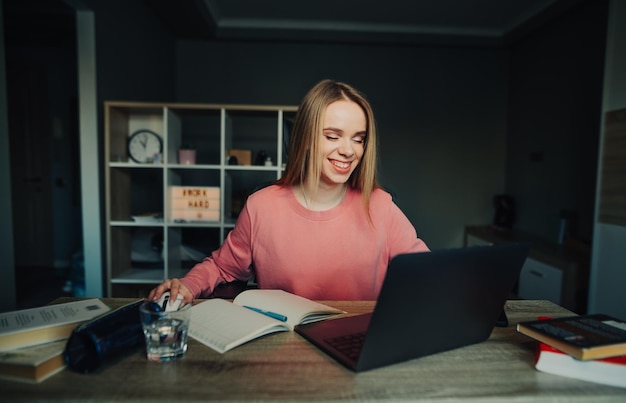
<point x="104" y="338"/>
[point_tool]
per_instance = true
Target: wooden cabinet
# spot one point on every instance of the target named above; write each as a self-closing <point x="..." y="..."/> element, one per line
<point x="554" y="272"/>
<point x="144" y="243"/>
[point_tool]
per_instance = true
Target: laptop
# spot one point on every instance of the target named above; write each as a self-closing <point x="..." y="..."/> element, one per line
<point x="429" y="302"/>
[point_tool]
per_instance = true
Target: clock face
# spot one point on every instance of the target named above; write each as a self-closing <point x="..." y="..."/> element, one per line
<point x="143" y="145"/>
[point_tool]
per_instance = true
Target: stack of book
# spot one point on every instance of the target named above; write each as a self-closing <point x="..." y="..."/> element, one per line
<point x="588" y="347"/>
<point x="32" y="341"/>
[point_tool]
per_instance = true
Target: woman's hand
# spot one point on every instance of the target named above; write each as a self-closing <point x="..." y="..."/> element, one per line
<point x="175" y="288"/>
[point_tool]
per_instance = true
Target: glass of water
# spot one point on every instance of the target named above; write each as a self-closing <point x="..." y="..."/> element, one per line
<point x="165" y="331"/>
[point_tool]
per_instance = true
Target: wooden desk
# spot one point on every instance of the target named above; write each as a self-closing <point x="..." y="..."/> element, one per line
<point x="285" y="367"/>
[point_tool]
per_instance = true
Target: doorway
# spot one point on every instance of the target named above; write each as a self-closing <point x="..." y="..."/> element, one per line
<point x="40" y="46"/>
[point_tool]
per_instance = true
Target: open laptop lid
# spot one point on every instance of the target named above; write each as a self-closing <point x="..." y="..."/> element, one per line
<point x="429" y="302"/>
<point x="437" y="301"/>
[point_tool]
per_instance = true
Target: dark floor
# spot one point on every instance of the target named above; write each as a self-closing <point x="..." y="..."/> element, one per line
<point x="37" y="286"/>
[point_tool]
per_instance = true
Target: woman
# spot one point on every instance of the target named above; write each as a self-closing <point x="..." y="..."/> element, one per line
<point x="325" y="230"/>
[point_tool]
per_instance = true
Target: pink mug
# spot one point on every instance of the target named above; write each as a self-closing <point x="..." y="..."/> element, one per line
<point x="187" y="157"/>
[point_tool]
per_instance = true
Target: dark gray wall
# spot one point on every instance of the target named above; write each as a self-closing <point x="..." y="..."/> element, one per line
<point x="458" y="125"/>
<point x="50" y="47"/>
<point x="444" y="113"/>
<point x="441" y="113"/>
<point x="554" y="121"/>
<point x="134" y="52"/>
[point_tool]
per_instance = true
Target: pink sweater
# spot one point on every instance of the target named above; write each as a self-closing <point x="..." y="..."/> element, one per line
<point x="324" y="255"/>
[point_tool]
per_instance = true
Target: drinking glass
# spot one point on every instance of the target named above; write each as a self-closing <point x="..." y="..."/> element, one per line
<point x="165" y="331"/>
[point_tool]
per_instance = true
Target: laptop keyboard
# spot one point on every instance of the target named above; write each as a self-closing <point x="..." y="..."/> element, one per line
<point x="349" y="345"/>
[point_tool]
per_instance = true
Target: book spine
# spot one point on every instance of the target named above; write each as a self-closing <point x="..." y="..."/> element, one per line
<point x="586" y="337"/>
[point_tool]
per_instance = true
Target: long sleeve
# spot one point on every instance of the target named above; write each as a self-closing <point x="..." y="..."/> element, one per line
<point x="232" y="261"/>
<point x="334" y="254"/>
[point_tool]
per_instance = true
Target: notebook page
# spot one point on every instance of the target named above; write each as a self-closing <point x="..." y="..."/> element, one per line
<point x="222" y="325"/>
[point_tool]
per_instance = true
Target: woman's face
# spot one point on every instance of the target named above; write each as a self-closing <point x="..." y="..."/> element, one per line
<point x="342" y="141"/>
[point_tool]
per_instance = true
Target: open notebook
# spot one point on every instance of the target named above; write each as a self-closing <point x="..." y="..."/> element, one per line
<point x="429" y="302"/>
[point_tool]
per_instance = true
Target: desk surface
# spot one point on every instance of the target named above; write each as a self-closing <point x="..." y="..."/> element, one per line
<point x="284" y="366"/>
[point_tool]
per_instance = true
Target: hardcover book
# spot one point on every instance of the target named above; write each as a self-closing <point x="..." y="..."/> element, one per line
<point x="223" y="325"/>
<point x="34" y="363"/>
<point x="586" y="337"/>
<point x="47" y="323"/>
<point x="607" y="371"/>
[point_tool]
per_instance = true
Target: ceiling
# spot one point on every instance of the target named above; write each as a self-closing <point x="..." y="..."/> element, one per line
<point x="423" y="22"/>
<point x="452" y="22"/>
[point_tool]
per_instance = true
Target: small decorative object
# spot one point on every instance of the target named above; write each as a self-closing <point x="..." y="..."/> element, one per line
<point x="187" y="155"/>
<point x="143" y="145"/>
<point x="244" y="157"/>
<point x="194" y="203"/>
<point x="261" y="157"/>
<point x="505" y="211"/>
<point x="148" y="217"/>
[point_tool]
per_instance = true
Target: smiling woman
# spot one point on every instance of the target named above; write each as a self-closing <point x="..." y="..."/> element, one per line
<point x="341" y="148"/>
<point x="325" y="230"/>
<point x="335" y="122"/>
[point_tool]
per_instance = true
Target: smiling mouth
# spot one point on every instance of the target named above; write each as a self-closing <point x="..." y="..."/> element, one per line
<point x="340" y="164"/>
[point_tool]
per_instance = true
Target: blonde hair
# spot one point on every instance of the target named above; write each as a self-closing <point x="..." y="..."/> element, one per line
<point x="307" y="128"/>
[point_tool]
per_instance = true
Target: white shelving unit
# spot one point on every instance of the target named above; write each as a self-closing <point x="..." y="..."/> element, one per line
<point x="140" y="254"/>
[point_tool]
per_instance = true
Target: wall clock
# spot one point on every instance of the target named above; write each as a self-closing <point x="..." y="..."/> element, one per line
<point x="143" y="145"/>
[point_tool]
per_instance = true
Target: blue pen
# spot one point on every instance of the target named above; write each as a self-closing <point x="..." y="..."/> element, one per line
<point x="271" y="314"/>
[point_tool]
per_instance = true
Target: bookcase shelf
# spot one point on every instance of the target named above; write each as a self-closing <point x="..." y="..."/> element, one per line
<point x="144" y="245"/>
